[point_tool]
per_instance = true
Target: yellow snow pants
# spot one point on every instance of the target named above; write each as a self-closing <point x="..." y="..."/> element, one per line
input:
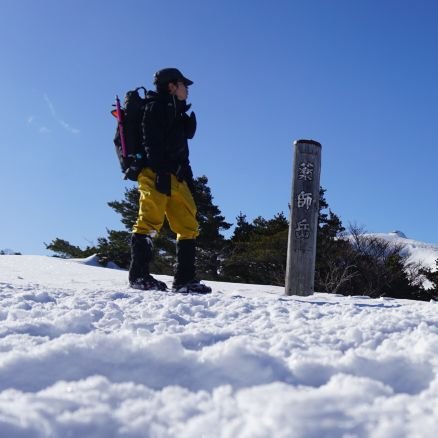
<point x="179" y="208"/>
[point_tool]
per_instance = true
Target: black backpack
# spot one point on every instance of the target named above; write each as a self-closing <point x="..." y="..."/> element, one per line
<point x="132" y="159"/>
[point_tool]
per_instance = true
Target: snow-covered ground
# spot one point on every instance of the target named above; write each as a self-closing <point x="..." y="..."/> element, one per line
<point x="81" y="355"/>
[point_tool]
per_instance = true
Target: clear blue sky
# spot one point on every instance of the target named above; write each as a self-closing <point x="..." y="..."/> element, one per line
<point x="358" y="76"/>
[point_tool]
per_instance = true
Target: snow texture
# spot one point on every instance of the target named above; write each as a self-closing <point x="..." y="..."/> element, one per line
<point x="82" y="355"/>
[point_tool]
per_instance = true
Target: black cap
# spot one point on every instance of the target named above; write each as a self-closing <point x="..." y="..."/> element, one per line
<point x="166" y="75"/>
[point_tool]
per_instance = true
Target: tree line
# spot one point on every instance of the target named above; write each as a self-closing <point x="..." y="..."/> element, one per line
<point x="347" y="261"/>
<point x="9" y="252"/>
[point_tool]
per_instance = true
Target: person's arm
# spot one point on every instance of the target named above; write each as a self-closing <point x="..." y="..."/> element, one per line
<point x="154" y="135"/>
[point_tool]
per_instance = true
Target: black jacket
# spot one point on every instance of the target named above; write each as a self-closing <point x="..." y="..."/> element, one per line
<point x="166" y="129"/>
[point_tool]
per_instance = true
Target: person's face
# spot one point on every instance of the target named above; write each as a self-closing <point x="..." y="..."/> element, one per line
<point x="180" y="90"/>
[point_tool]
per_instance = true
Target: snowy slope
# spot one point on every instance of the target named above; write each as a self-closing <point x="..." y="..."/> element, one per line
<point x="81" y="355"/>
<point x="417" y="251"/>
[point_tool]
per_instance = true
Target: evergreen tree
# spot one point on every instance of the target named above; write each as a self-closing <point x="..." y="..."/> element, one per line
<point x="66" y="250"/>
<point x="115" y="248"/>
<point x="243" y="229"/>
<point x="127" y="207"/>
<point x="432" y="276"/>
<point x="257" y="253"/>
<point x="211" y="243"/>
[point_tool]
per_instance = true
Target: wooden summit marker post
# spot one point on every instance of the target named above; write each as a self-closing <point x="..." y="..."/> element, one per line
<point x="303" y="224"/>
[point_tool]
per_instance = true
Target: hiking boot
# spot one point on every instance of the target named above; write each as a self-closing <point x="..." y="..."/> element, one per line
<point x="185" y="261"/>
<point x="141" y="256"/>
<point x="192" y="287"/>
<point x="148" y="283"/>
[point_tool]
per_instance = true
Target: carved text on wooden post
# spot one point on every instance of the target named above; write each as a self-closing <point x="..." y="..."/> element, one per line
<point x="301" y="254"/>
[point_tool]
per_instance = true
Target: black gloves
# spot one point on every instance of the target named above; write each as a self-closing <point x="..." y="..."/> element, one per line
<point x="184" y="173"/>
<point x="190" y="125"/>
<point x="162" y="182"/>
<point x="134" y="166"/>
<point x="132" y="173"/>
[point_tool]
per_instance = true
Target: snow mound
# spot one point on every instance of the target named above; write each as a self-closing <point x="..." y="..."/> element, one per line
<point x="93" y="260"/>
<point x="81" y="354"/>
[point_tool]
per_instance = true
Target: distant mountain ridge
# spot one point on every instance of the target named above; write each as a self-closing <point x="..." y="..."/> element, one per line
<point x="416" y="251"/>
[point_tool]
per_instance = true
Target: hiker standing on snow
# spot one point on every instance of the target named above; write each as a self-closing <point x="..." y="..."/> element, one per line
<point x="164" y="184"/>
